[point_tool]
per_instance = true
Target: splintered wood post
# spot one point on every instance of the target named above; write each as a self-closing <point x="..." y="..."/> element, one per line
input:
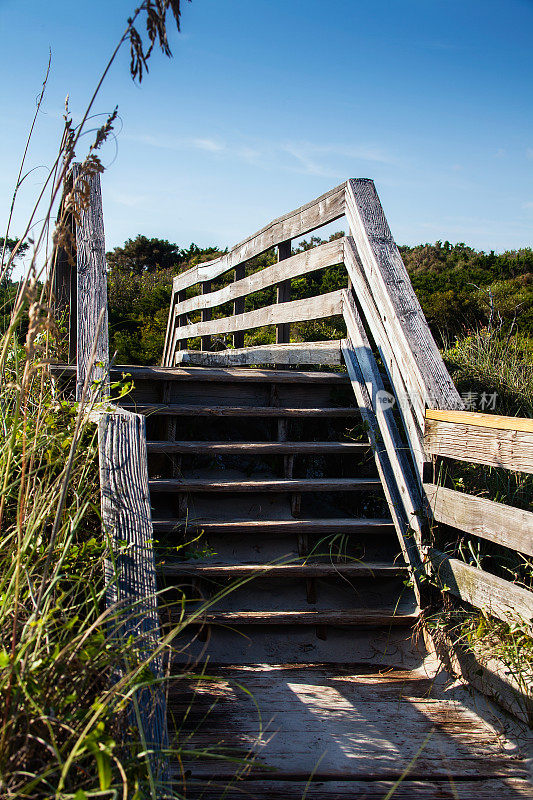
<point x="238" y="307"/>
<point x="206" y="315"/>
<point x="91" y="286"/>
<point x="131" y="590"/>
<point x="182" y="320"/>
<point x="283" y="295"/>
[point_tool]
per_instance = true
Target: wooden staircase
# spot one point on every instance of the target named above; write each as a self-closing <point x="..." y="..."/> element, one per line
<point x="270" y="522"/>
<point x="287" y="513"/>
<point x="266" y="478"/>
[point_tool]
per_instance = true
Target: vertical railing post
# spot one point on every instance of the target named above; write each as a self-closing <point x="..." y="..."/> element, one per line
<point x="238" y="307"/>
<point x="207" y="313"/>
<point x="92" y="316"/>
<point x="283" y="295"/>
<point x="182" y="320"/>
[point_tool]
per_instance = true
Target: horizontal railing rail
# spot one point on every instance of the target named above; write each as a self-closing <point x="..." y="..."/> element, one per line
<point x="495" y="441"/>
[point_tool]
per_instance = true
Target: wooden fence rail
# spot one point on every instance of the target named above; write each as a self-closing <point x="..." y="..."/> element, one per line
<point x="495" y="441"/>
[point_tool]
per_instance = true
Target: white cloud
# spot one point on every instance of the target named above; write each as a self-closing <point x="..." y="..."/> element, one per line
<point x="310" y="158"/>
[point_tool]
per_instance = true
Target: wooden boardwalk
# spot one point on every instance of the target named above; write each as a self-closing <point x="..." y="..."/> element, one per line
<point x="286" y="515"/>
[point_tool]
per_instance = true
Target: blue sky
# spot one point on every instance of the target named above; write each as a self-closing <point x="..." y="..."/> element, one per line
<point x="269" y="103"/>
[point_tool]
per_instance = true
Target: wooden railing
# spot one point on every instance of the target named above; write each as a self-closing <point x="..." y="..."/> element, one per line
<point x="383" y="318"/>
<point x="497" y="442"/>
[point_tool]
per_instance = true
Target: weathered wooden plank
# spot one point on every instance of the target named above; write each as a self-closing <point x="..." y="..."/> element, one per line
<point x="368" y="617"/>
<point x="297" y="353"/>
<point x="262" y="485"/>
<point x="290" y="571"/>
<point x="206" y="314"/>
<point x="283" y="294"/>
<point x="130" y="576"/>
<point x="276" y="526"/>
<point x="326" y="208"/>
<point x="220" y="375"/>
<point x="238" y="307"/>
<point x="238" y="411"/>
<point x="319" y="787"/>
<point x="482" y="420"/>
<point x="325" y="305"/>
<point x="395" y="470"/>
<point x="494" y="447"/>
<point x="92" y="285"/>
<point x="409" y="394"/>
<point x="325" y="255"/>
<point x="265" y="448"/>
<point x="398" y="306"/>
<point x="505" y="525"/>
<point x="489" y="593"/>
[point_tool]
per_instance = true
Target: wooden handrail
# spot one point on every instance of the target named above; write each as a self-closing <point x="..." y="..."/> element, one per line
<point x="326" y="208"/>
<point x="471" y="438"/>
<point x="495" y="421"/>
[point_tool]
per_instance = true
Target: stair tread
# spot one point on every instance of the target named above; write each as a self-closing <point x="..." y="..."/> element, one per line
<point x="347" y="616"/>
<point x="305" y="570"/>
<point x="219" y="374"/>
<point x="262" y="485"/>
<point x="172" y="409"/>
<point x="255" y="447"/>
<point x="318" y="525"/>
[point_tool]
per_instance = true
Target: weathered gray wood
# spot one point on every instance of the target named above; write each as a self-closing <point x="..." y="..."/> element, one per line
<point x="266" y="448"/>
<point x="396" y="471"/>
<point x="239" y="411"/>
<point x="410" y="397"/>
<point x="130" y="573"/>
<point x="340" y="787"/>
<point x="220" y="375"/>
<point x="325" y="255"/>
<point x="270" y="485"/>
<point x="495" y="421"/>
<point x="275" y="526"/>
<point x="325" y="305"/>
<point x="510" y="688"/>
<point x="283" y="295"/>
<point x="181" y="321"/>
<point x="92" y="284"/>
<point x="357" y="616"/>
<point x="505" y="525"/>
<point x="326" y="208"/>
<point x="238" y="307"/>
<point x="480" y="445"/>
<point x="489" y="593"/>
<point x="297" y="353"/>
<point x="395" y="298"/>
<point x="206" y="315"/>
<point x="289" y="571"/>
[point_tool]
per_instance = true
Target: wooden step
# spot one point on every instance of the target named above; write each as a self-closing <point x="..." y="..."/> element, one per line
<point x="349" y="525"/>
<point x="275" y="485"/>
<point x="239" y="411"/>
<point x="259" y="448"/>
<point x="352" y="570"/>
<point x="361" y="617"/>
<point x="220" y="375"/>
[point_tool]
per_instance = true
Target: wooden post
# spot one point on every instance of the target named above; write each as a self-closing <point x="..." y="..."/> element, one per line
<point x="182" y="320"/>
<point x="131" y="589"/>
<point x="283" y="295"/>
<point x="91" y="286"/>
<point x="238" y="306"/>
<point x="207" y="314"/>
